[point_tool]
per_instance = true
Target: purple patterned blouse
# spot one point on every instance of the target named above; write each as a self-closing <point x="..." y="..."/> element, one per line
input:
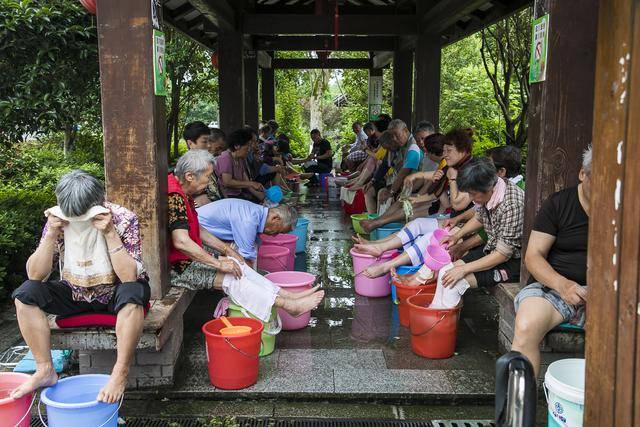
<point x="128" y="228"/>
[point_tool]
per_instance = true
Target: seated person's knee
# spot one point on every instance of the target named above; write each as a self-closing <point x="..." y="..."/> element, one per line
<point x="132" y="293"/>
<point x="31" y="292"/>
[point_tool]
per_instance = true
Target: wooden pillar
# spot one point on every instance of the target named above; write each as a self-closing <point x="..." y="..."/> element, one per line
<point x="231" y="80"/>
<point x="133" y="121"/>
<point x="561" y="107"/>
<point x="427" y="75"/>
<point x="402" y="85"/>
<point x="613" y="336"/>
<point x="251" y="89"/>
<point x="268" y="93"/>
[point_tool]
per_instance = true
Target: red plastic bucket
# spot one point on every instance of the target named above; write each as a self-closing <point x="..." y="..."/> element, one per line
<point x="358" y="205"/>
<point x="433" y="331"/>
<point x="233" y="362"/>
<point x="405" y="292"/>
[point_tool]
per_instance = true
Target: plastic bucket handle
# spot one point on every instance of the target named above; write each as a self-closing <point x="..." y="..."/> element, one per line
<point x="101" y="425"/>
<point x="242" y="352"/>
<point x="33" y="399"/>
<point x="278" y="328"/>
<point x="431" y="328"/>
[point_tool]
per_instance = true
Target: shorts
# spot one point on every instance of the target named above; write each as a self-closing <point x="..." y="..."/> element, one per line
<point x="508" y="271"/>
<point x="357" y="156"/>
<point x="416" y="236"/>
<point x="573" y="314"/>
<point x="55" y="297"/>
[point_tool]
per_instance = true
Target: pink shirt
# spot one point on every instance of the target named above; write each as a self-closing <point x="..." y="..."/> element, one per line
<point x="226" y="164"/>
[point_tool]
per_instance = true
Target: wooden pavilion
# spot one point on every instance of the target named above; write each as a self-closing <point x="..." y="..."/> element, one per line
<point x="591" y="93"/>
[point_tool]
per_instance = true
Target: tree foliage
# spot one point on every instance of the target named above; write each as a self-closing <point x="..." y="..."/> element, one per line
<point x="48" y="69"/>
<point x="193" y="81"/>
<point x="505" y="56"/>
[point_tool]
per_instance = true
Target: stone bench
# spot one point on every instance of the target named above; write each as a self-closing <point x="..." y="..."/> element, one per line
<point x="558" y="344"/>
<point x="158" y="348"/>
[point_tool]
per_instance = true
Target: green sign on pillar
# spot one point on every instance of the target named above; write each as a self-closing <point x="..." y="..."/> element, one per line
<point x="375" y="97"/>
<point x="539" y="45"/>
<point x="159" y="63"/>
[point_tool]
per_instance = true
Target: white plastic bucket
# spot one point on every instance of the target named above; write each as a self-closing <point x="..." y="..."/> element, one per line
<point x="564" y="388"/>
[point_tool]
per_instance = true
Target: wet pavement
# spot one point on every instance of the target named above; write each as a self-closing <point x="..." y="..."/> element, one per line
<point x="353" y="347"/>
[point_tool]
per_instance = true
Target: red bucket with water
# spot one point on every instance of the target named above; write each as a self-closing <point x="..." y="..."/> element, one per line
<point x="405" y="292"/>
<point x="433" y="331"/>
<point x="233" y="361"/>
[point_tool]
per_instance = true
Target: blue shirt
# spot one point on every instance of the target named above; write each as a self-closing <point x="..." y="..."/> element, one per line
<point x="235" y="220"/>
<point x="414" y="157"/>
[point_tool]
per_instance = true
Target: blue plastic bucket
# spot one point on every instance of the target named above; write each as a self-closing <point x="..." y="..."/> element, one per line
<point x="301" y="230"/>
<point x="72" y="403"/>
<point x="564" y="389"/>
<point x="387" y="230"/>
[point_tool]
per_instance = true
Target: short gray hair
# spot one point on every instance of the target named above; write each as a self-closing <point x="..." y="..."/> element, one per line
<point x="195" y="161"/>
<point x="425" y="127"/>
<point x="397" y="123"/>
<point x="77" y="192"/>
<point x="288" y="215"/>
<point x="587" y="155"/>
<point x="478" y="175"/>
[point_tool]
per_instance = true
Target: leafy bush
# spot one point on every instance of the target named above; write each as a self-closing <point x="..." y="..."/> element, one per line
<point x="29" y="173"/>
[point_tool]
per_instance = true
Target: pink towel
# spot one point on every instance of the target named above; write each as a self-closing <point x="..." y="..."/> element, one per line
<point x="498" y="194"/>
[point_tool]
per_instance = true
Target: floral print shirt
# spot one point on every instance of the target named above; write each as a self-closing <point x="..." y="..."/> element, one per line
<point x="128" y="228"/>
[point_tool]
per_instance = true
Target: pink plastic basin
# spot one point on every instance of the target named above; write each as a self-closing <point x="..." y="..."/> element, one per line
<point x="293" y="281"/>
<point x="378" y="287"/>
<point x="438" y="235"/>
<point x="436" y="257"/>
<point x="286" y="241"/>
<point x="273" y="258"/>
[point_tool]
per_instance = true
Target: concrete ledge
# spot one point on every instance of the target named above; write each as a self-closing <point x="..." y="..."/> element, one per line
<point x="164" y="317"/>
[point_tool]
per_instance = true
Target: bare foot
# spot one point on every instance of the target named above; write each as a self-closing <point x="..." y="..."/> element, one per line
<point x="114" y="388"/>
<point x="411" y="279"/>
<point x="358" y="239"/>
<point x="374" y="271"/>
<point x="297" y="307"/>
<point x="43" y="377"/>
<point x="368" y="225"/>
<point x="298" y="295"/>
<point x="369" y="249"/>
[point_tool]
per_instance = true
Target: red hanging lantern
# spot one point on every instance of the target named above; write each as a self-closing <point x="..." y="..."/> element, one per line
<point x="90" y="5"/>
<point x="214" y="59"/>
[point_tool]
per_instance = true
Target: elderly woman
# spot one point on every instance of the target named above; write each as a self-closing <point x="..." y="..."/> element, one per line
<point x="195" y="268"/>
<point x="557" y="260"/>
<point x="499" y="207"/>
<point x="231" y="168"/>
<point x="96" y="245"/>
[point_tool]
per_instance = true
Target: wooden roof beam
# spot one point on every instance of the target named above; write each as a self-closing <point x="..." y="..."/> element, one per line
<point x="273" y="24"/>
<point x="446" y="13"/>
<point x="180" y="26"/>
<point x="456" y="32"/>
<point x="218" y="12"/>
<point x="331" y="63"/>
<point x="345" y="43"/>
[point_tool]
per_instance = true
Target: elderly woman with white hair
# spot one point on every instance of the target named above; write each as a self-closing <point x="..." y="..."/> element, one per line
<point x="96" y="246"/>
<point x="195" y="268"/>
<point x="557" y="260"/>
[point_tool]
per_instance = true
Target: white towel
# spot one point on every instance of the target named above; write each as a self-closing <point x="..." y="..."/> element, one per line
<point x="347" y="195"/>
<point x="254" y="292"/>
<point x="85" y="259"/>
<point x="448" y="297"/>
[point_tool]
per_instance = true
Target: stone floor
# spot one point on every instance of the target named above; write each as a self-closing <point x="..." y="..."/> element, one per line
<point x="354" y="347"/>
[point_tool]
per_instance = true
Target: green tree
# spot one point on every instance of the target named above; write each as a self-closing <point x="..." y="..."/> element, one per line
<point x="505" y="56"/>
<point x="193" y="81"/>
<point x="49" y="79"/>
